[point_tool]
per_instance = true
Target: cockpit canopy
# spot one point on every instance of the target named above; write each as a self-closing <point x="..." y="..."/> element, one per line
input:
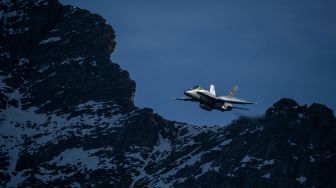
<point x="196" y="87"/>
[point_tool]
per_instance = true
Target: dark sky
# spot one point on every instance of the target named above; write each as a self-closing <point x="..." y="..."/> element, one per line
<point x="270" y="49"/>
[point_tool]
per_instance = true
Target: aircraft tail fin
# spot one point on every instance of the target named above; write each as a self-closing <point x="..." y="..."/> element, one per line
<point x="233" y="91"/>
<point x="212" y="89"/>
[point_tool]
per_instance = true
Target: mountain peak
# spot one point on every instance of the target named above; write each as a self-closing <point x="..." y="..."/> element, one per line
<point x="61" y="58"/>
<point x="289" y="109"/>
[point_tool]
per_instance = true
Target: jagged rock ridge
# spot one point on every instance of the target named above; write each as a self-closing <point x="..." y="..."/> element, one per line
<point x="67" y="119"/>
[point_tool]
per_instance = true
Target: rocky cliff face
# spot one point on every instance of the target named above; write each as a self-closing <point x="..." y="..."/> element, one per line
<point x="67" y="118"/>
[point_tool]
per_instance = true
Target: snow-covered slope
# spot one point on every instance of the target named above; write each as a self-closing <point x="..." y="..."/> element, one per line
<point x="67" y="118"/>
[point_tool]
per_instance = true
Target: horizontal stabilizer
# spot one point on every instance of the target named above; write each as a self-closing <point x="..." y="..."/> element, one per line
<point x="240" y="108"/>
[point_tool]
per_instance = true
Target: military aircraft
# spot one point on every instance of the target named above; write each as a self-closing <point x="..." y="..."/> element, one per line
<point x="209" y="100"/>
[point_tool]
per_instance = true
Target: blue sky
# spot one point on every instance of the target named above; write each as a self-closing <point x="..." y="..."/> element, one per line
<point x="270" y="49"/>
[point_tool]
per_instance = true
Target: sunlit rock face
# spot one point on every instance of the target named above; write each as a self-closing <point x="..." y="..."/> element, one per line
<point x="67" y="118"/>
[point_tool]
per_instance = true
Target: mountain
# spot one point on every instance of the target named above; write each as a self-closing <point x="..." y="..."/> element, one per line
<point x="67" y="119"/>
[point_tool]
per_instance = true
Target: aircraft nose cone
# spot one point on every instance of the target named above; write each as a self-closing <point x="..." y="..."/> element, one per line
<point x="187" y="92"/>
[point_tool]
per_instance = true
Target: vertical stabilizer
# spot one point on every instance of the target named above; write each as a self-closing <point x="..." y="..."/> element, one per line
<point x="233" y="91"/>
<point x="212" y="89"/>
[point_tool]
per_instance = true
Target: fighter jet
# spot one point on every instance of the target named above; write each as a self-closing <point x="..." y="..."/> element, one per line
<point x="208" y="100"/>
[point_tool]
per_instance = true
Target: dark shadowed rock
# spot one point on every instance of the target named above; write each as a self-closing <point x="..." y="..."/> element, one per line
<point x="321" y="115"/>
<point x="67" y="119"/>
<point x="285" y="107"/>
<point x="60" y="57"/>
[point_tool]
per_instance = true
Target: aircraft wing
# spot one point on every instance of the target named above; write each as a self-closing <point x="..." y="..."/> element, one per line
<point x="182" y="99"/>
<point x="233" y="100"/>
<point x="211" y="98"/>
<point x="240" y="108"/>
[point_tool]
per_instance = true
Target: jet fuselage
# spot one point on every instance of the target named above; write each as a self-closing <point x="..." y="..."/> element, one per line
<point x="207" y="100"/>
